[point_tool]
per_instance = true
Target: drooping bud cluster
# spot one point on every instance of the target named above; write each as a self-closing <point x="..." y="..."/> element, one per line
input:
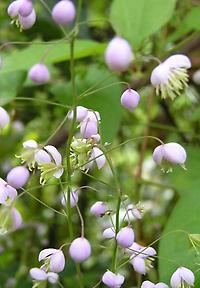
<point x="84" y="151"/>
<point x="53" y="263"/>
<point x="170" y="77"/>
<point x="118" y="55"/>
<point x="48" y="159"/>
<point x="169" y="154"/>
<point x="22" y="13"/>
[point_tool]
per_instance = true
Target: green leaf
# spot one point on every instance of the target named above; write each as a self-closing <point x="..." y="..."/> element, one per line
<point x="187" y="182"/>
<point x="175" y="248"/>
<point x="137" y="20"/>
<point x="191" y="22"/>
<point x="10" y="85"/>
<point x="56" y="52"/>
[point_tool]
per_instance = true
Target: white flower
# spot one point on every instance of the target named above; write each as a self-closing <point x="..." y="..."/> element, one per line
<point x="170" y="77"/>
<point x="182" y="276"/>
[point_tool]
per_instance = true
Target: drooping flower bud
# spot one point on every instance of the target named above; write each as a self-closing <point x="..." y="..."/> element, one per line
<point x="81" y="113"/>
<point x="4" y="118"/>
<point x="88" y="128"/>
<point x="149" y="284"/>
<point x="13" y="8"/>
<point x="38" y="274"/>
<point x="112" y="280"/>
<point x="182" y="277"/>
<point x="118" y="55"/>
<point x="125" y="237"/>
<point x="97" y="157"/>
<point x="80" y="249"/>
<point x="196" y="77"/>
<point x="64" y="12"/>
<point x="169" y="153"/>
<point x="170" y="77"/>
<point x="53" y="258"/>
<point x="28" y="21"/>
<point x="18" y="176"/>
<point x="53" y="278"/>
<point x="25" y="8"/>
<point x="109" y="233"/>
<point x="7" y="192"/>
<point x="73" y="198"/>
<point x="130" y="99"/>
<point x="98" y="209"/>
<point x="39" y="74"/>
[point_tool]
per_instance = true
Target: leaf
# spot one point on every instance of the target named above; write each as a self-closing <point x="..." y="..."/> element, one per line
<point x="105" y="101"/>
<point x="10" y="85"/>
<point x="187" y="182"/>
<point x="137" y="20"/>
<point x="175" y="249"/>
<point x="191" y="22"/>
<point x="54" y="53"/>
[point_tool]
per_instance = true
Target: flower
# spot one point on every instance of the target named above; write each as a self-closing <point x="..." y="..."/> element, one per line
<point x="25" y="8"/>
<point x="39" y="74"/>
<point x="18" y="176"/>
<point x="7" y="192"/>
<point x="182" y="277"/>
<point x="98" y="208"/>
<point x="112" y="280"/>
<point x="109" y="233"/>
<point x="96" y="157"/>
<point x="81" y="113"/>
<point x="125" y="237"/>
<point x="10" y="219"/>
<point x="80" y="249"/>
<point x="4" y="118"/>
<point x="149" y="284"/>
<point x="28" y="155"/>
<point x="40" y="275"/>
<point x="54" y="259"/>
<point x="73" y="198"/>
<point x="169" y="154"/>
<point x="118" y="55"/>
<point x="64" y="12"/>
<point x="49" y="162"/>
<point x="141" y="257"/>
<point x="170" y="77"/>
<point x="130" y="99"/>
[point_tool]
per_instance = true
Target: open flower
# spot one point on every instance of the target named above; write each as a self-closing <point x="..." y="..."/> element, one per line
<point x="182" y="277"/>
<point x="169" y="154"/>
<point x="28" y="154"/>
<point x="141" y="257"/>
<point x="54" y="259"/>
<point x="50" y="163"/>
<point x="171" y="77"/>
<point x="112" y="280"/>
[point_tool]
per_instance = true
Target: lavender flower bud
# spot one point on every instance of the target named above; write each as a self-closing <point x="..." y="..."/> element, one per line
<point x="80" y="249"/>
<point x="28" y="21"/>
<point x="98" y="158"/>
<point x="38" y="274"/>
<point x="81" y="113"/>
<point x="112" y="280"/>
<point x="64" y="12"/>
<point x="25" y="8"/>
<point x="130" y="99"/>
<point x="109" y="233"/>
<point x="4" y="118"/>
<point x="182" y="277"/>
<point x="13" y="8"/>
<point x="98" y="208"/>
<point x="73" y="198"/>
<point x="39" y="74"/>
<point x="52" y="277"/>
<point x="16" y="219"/>
<point x="118" y="55"/>
<point x="88" y="128"/>
<point x="18" y="176"/>
<point x="196" y="77"/>
<point x="125" y="237"/>
<point x="54" y="257"/>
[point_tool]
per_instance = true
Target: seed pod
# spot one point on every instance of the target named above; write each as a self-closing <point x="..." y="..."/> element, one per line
<point x="39" y="74"/>
<point x="63" y="12"/>
<point x="80" y="249"/>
